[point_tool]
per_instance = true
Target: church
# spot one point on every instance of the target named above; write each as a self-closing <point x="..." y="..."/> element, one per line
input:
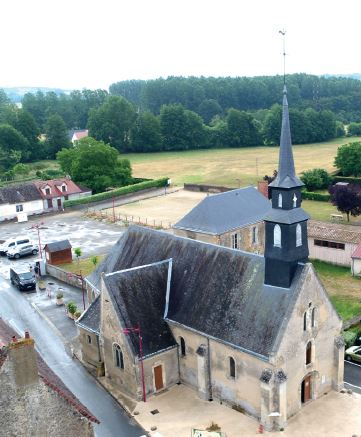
<point x="258" y="333"/>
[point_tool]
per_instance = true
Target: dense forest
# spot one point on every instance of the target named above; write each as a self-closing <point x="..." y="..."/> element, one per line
<point x="179" y="113"/>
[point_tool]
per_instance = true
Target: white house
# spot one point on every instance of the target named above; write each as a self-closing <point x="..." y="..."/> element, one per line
<point x="15" y="199"/>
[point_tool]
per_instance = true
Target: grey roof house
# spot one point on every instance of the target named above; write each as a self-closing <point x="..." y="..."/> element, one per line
<point x="15" y="199"/>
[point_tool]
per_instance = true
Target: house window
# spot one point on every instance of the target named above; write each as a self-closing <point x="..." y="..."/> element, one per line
<point x="305" y="321"/>
<point x="47" y="191"/>
<point x="182" y="346"/>
<point x="118" y="356"/>
<point x="313" y="317"/>
<point x="280" y="200"/>
<point x="254" y="235"/>
<point x="19" y="208"/>
<point x="330" y="244"/>
<point x="298" y="235"/>
<point x="235" y="241"/>
<point x="294" y="200"/>
<point x="63" y="188"/>
<point x="232" y="367"/>
<point x="89" y="339"/>
<point x="277" y="236"/>
<point x="309" y="353"/>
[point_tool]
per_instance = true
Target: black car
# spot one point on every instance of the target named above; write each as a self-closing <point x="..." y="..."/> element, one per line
<point x="23" y="280"/>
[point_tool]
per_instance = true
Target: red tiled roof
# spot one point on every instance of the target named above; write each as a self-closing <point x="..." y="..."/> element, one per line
<point x="80" y="134"/>
<point x="46" y="374"/>
<point x="357" y="252"/>
<point x="334" y="232"/>
<point x="72" y="187"/>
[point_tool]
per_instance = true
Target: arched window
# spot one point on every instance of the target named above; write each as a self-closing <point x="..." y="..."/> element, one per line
<point x="280" y="200"/>
<point x="182" y="346"/>
<point x="294" y="200"/>
<point x="313" y="317"/>
<point x="232" y="367"/>
<point x="305" y="321"/>
<point x="118" y="356"/>
<point x="298" y="235"/>
<point x="277" y="236"/>
<point x="309" y="353"/>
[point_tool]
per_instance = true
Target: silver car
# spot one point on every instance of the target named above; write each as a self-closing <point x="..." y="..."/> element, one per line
<point x="22" y="250"/>
<point x="353" y="353"/>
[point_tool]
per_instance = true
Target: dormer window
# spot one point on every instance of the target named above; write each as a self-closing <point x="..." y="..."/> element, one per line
<point x="277" y="236"/>
<point x="47" y="191"/>
<point x="294" y="200"/>
<point x="298" y="235"/>
<point x="280" y="200"/>
<point x="63" y="188"/>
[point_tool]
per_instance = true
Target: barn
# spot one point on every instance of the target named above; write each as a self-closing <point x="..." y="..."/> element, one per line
<point x="58" y="252"/>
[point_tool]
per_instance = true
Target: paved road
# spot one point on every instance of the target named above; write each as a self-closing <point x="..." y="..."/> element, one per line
<point x="352" y="376"/>
<point x="17" y="311"/>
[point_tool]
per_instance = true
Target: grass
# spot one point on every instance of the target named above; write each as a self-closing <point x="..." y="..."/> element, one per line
<point x="344" y="289"/>
<point x="85" y="266"/>
<point x="231" y="167"/>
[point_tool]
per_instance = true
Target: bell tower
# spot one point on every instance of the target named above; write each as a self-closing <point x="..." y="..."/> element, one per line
<point x="286" y="225"/>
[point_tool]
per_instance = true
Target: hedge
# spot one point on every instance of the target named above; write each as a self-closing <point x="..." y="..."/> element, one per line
<point x="117" y="192"/>
<point x="315" y="196"/>
<point x="351" y="180"/>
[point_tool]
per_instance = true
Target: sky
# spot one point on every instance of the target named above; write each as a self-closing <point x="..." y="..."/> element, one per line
<point x="92" y="44"/>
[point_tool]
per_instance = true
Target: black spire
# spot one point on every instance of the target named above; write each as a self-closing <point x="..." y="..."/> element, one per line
<point x="286" y="177"/>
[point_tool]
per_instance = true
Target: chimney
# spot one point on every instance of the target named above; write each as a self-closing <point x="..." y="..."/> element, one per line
<point x="23" y="358"/>
<point x="262" y="187"/>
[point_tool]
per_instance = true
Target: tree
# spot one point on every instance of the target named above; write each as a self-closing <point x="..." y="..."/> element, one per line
<point x="354" y="129"/>
<point x="112" y="122"/>
<point x="242" y="130"/>
<point x="11" y="139"/>
<point x="95" y="165"/>
<point x="316" y="179"/>
<point x="145" y="134"/>
<point x="348" y="159"/>
<point x="347" y="199"/>
<point x="21" y="169"/>
<point x="9" y="158"/>
<point x="208" y="109"/>
<point x="56" y="135"/>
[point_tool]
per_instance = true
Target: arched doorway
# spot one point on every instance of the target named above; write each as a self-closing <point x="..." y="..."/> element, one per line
<point x="306" y="389"/>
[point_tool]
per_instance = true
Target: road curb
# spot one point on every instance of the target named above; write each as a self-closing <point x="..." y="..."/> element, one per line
<point x="50" y="323"/>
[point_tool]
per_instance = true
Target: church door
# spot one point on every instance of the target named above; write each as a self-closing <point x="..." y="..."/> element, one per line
<point x="306" y="389"/>
<point x="158" y="378"/>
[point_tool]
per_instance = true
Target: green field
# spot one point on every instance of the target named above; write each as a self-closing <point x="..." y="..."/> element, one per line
<point x="231" y="167"/>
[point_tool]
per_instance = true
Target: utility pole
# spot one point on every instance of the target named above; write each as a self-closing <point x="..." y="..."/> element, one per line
<point x="37" y="227"/>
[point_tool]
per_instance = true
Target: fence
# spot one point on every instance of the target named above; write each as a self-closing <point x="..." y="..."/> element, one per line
<point x="128" y="219"/>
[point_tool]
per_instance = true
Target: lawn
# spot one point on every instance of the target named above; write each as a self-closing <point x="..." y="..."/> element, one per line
<point x="343" y="289"/>
<point x="231" y="167"/>
<point x="85" y="265"/>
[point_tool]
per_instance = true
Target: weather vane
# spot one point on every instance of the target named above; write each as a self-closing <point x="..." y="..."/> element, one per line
<point x="283" y="33"/>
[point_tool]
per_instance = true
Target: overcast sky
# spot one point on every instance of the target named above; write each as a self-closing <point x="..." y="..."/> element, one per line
<point x="91" y="44"/>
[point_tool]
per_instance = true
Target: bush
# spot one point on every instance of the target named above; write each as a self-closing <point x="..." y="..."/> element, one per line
<point x="349" y="337"/>
<point x="59" y="295"/>
<point x="117" y="192"/>
<point x="307" y="195"/>
<point x="71" y="307"/>
<point x="349" y="179"/>
<point x="77" y="314"/>
<point x="316" y="179"/>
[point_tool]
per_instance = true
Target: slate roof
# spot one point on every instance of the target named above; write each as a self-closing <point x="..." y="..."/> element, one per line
<point x="46" y="374"/>
<point x="19" y="193"/>
<point x="224" y="212"/>
<point x="57" y="246"/>
<point x="286" y="177"/>
<point x="214" y="290"/>
<point x="90" y="319"/>
<point x="139" y="296"/>
<point x="334" y="232"/>
<point x="357" y="252"/>
<point x="288" y="217"/>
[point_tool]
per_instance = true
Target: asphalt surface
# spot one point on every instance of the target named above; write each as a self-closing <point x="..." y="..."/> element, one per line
<point x="352" y="376"/>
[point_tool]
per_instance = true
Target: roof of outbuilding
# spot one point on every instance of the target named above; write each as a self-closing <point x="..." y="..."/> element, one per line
<point x="19" y="193"/>
<point x="139" y="296"/>
<point x="334" y="232"/>
<point x="90" y="319"/>
<point x="57" y="246"/>
<point x="224" y="212"/>
<point x="46" y="374"/>
<point x="214" y="290"/>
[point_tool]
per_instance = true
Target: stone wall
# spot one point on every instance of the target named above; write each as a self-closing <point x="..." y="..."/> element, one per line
<point x="62" y="275"/>
<point x="91" y="353"/>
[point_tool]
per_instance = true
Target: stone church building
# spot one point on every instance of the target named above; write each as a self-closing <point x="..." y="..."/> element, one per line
<point x="256" y="332"/>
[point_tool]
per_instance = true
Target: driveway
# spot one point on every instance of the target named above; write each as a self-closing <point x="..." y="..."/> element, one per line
<point x="93" y="237"/>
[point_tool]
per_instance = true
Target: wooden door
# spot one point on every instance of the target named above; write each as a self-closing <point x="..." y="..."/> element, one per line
<point x="306" y="389"/>
<point x="59" y="203"/>
<point x="158" y="378"/>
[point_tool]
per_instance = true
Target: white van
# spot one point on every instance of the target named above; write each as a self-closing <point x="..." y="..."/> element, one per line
<point x="11" y="243"/>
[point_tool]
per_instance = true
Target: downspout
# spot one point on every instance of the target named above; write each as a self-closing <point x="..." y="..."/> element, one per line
<point x="210" y="394"/>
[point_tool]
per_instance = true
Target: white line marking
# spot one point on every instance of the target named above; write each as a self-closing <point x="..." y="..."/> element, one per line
<point x="354" y="364"/>
<point x="352" y="385"/>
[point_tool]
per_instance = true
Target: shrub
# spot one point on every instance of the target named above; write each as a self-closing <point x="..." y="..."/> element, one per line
<point x="77" y="314"/>
<point x="349" y="337"/>
<point x="117" y="192"/>
<point x="71" y="307"/>
<point x="59" y="295"/>
<point x="316" y="179"/>
<point x="307" y="195"/>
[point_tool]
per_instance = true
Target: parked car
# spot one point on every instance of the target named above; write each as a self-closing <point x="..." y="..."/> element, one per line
<point x="23" y="280"/>
<point x="12" y="243"/>
<point x="22" y="250"/>
<point x="353" y="353"/>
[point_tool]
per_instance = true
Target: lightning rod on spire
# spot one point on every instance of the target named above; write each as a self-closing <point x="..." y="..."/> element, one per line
<point x="283" y="33"/>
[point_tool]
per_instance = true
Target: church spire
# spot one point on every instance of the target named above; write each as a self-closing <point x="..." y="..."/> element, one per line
<point x="286" y="177"/>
